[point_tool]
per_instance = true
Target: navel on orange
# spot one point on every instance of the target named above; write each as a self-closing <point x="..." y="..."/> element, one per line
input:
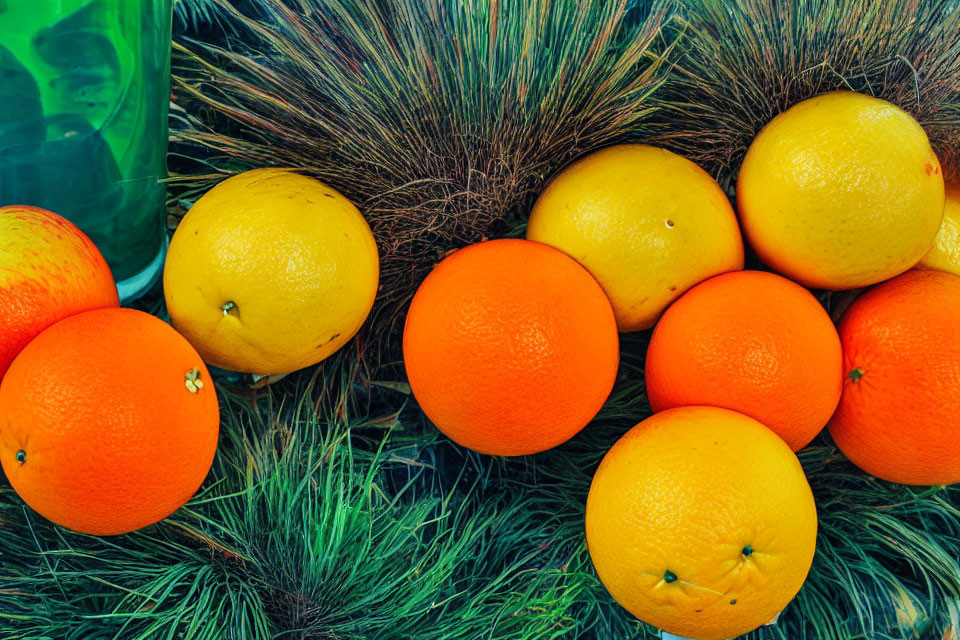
<point x="700" y="522"/>
<point x="510" y="347"/>
<point x="108" y="421"/>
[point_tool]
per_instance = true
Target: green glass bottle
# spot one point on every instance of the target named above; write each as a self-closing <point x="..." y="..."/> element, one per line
<point x="84" y="96"/>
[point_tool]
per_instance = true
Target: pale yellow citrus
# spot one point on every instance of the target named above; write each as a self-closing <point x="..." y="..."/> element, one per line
<point x="646" y="223"/>
<point x="945" y="254"/>
<point x="841" y="191"/>
<point x="270" y="271"/>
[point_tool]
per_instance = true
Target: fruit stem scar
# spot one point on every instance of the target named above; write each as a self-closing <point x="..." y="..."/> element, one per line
<point x="746" y="551"/>
<point x="228" y="307"/>
<point x="856" y="374"/>
<point x="21" y="456"/>
<point x="669" y="576"/>
<point x="192" y="380"/>
<point x="669" y="224"/>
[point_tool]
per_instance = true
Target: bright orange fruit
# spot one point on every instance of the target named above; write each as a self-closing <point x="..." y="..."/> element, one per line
<point x="700" y="521"/>
<point x="510" y="346"/>
<point x="48" y="270"/>
<point x="108" y="421"/>
<point x="753" y="342"/>
<point x="897" y="418"/>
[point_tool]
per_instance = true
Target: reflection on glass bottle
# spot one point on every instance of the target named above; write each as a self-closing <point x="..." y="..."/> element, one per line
<point x="84" y="91"/>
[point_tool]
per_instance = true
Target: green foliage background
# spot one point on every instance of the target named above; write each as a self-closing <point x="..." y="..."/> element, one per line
<point x="334" y="510"/>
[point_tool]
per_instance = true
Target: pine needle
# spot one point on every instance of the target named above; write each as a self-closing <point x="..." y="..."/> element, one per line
<point x="438" y="118"/>
<point x="741" y="63"/>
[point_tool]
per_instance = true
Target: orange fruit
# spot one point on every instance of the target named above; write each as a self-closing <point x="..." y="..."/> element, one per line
<point x="510" y="346"/>
<point x="945" y="254"/>
<point x="270" y="271"/>
<point x="646" y="223"/>
<point x="841" y="191"/>
<point x="897" y="417"/>
<point x="48" y="270"/>
<point x="700" y="522"/>
<point x="752" y="342"/>
<point x="108" y="421"/>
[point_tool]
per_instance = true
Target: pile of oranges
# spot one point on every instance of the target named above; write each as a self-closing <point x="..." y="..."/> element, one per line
<point x="108" y="417"/>
<point x="700" y="519"/>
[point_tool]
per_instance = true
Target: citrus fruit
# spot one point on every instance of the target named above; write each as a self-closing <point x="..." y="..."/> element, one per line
<point x="841" y="191"/>
<point x="700" y="522"/>
<point x="897" y="418"/>
<point x="647" y="223"/>
<point x="510" y="347"/>
<point x="48" y="270"/>
<point x="945" y="254"/>
<point x="753" y="342"/>
<point x="108" y="421"/>
<point x="270" y="272"/>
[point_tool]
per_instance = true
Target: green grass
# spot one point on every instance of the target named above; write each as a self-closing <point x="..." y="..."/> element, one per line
<point x="335" y="511"/>
<point x="311" y="526"/>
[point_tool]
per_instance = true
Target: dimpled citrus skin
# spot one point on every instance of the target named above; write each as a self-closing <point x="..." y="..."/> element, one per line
<point x="510" y="347"/>
<point x="717" y="500"/>
<point x="753" y="342"/>
<point x="945" y="254"/>
<point x="48" y="270"/>
<point x="647" y="223"/>
<point x="294" y="257"/>
<point x="897" y="418"/>
<point x="112" y="438"/>
<point x="841" y="191"/>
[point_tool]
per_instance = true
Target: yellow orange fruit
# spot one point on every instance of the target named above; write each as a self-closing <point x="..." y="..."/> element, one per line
<point x="647" y="223"/>
<point x="897" y="418"/>
<point x="270" y="271"/>
<point x="841" y="191"/>
<point x="510" y="347"/>
<point x="753" y="342"/>
<point x="945" y="254"/>
<point x="108" y="421"/>
<point x="700" y="522"/>
<point x="48" y="270"/>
